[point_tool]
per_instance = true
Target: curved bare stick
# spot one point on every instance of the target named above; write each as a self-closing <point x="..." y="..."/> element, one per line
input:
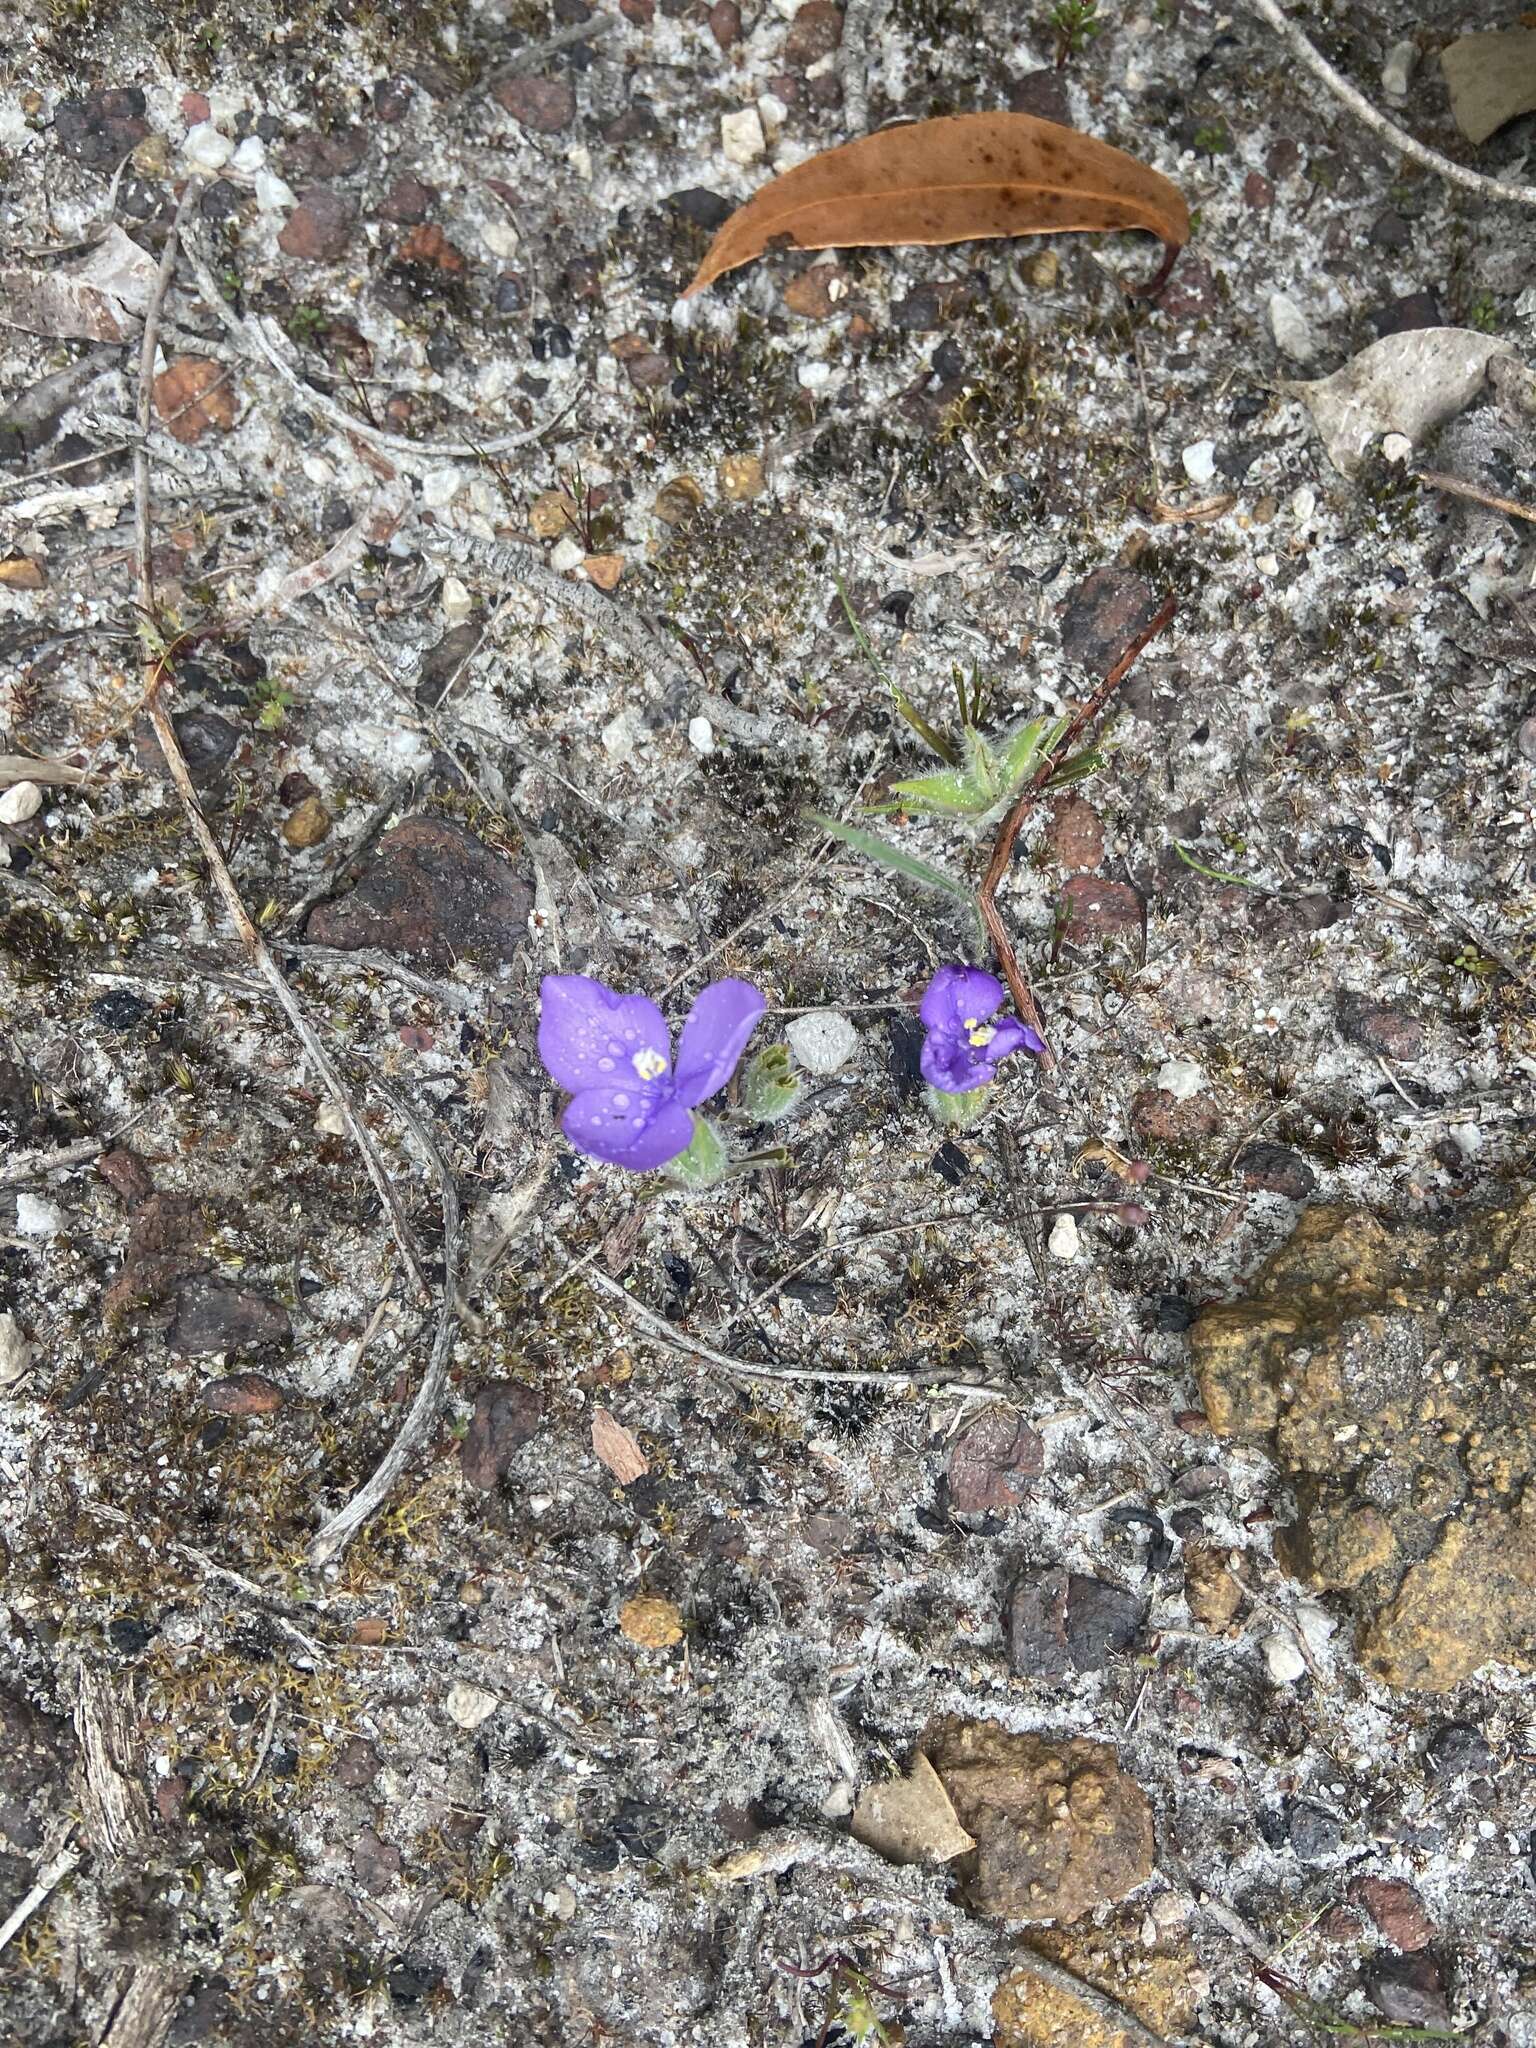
<point x="338" y="1532"/>
<point x="254" y="339"/>
<point x="1453" y="173"/>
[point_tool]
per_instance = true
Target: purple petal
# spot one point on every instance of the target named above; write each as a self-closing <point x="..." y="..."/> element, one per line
<point x="951" y="1065"/>
<point x="956" y="993"/>
<point x="634" y="1127"/>
<point x="589" y="1037"/>
<point x="714" y="1037"/>
<point x="1012" y="1036"/>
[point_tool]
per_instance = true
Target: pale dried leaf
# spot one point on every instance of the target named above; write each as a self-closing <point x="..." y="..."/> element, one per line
<point x="1407" y="384"/>
<point x="910" y="1819"/>
<point x="616" y="1448"/>
<point x="1492" y="78"/>
<point x="98" y="503"/>
<point x="22" y="768"/>
<point x="282" y="589"/>
<point x="103" y="297"/>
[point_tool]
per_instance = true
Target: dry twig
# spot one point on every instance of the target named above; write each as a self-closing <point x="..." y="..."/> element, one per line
<point x="744" y="1369"/>
<point x="254" y="340"/>
<point x="615" y="621"/>
<point x="1008" y="832"/>
<point x="157" y="672"/>
<point x="37" y="1165"/>
<point x="1437" y="480"/>
<point x="57" y="1864"/>
<point x="338" y="1532"/>
<point x="1377" y="122"/>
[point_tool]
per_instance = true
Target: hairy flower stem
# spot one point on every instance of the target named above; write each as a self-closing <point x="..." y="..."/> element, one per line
<point x="957" y="1111"/>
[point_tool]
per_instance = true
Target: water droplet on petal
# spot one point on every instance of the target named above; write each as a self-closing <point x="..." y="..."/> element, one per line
<point x="605" y="1066"/>
<point x="621" y="1101"/>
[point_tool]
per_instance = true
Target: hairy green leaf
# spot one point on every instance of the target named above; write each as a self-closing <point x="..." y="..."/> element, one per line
<point x="874" y="848"/>
<point x="951" y="794"/>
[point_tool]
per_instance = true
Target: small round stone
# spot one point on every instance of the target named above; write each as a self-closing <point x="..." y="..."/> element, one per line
<point x="822" y="1041"/>
<point x="470" y="1705"/>
<point x="307" y="824"/>
<point x="21" y="801"/>
<point x="741" y="477"/>
<point x="1282" y="1660"/>
<point x="1065" y="1240"/>
<point x="207" y="148"/>
<point x="1182" y="1079"/>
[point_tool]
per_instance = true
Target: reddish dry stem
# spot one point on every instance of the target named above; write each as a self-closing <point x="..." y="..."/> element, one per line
<point x="1008" y="832"/>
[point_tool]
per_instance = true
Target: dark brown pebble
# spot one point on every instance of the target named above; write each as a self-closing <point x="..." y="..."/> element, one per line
<point x="507" y="1413"/>
<point x="243" y="1393"/>
<point x="545" y="106"/>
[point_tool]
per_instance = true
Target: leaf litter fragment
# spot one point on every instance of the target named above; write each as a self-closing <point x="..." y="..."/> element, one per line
<point x="910" y="1819"/>
<point x="103" y="297"/>
<point x="615" y="1446"/>
<point x="960" y="178"/>
<point x="1492" y="79"/>
<point x="1406" y="384"/>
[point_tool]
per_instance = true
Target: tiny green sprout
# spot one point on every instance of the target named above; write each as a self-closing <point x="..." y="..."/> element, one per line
<point x="273" y="703"/>
<point x="770" y="1086"/>
<point x="305" y="322"/>
<point x="1075" y="24"/>
<point x="990" y="777"/>
<point x="1472" y="960"/>
<point x="1483" y="313"/>
<point x="1212" y="139"/>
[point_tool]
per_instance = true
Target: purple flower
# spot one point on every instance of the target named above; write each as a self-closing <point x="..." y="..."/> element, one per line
<point x="631" y="1106"/>
<point x="962" y="1046"/>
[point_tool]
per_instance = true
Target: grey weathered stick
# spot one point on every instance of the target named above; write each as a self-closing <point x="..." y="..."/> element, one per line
<point x="338" y="1532"/>
<point x="55" y="1867"/>
<point x="615" y="621"/>
<point x="1444" y="166"/>
<point x="254" y="340"/>
<point x="147" y="350"/>
<point x="155" y="676"/>
<point x="744" y="1369"/>
<point x="145" y="2010"/>
<point x="36" y="1165"/>
<point x="261" y="958"/>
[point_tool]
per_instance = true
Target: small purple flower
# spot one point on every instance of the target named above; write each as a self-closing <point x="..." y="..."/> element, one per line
<point x="631" y="1106"/>
<point x="962" y="1048"/>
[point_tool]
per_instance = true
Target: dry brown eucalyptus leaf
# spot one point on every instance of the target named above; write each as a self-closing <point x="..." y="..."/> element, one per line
<point x="193" y="396"/>
<point x="961" y="178"/>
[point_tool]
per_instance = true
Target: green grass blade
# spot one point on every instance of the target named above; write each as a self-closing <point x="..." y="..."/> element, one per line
<point x="1214" y="874"/>
<point x="903" y="703"/>
<point x="881" y="851"/>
